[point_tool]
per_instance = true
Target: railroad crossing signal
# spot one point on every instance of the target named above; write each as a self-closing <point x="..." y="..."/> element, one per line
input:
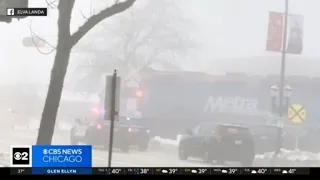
<point x="297" y="113"/>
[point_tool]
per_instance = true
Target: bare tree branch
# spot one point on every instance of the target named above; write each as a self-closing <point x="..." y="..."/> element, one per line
<point x="84" y="17"/>
<point x="97" y="18"/>
<point x="51" y="4"/>
<point x="33" y="35"/>
<point x="144" y="36"/>
<point x="136" y="68"/>
<point x="91" y="12"/>
<point x="137" y="40"/>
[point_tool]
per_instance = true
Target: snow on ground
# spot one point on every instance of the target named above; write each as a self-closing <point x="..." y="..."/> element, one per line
<point x="63" y="126"/>
<point x="34" y="124"/>
<point x="169" y="145"/>
<point x="4" y="159"/>
<point x="291" y="155"/>
<point x="163" y="141"/>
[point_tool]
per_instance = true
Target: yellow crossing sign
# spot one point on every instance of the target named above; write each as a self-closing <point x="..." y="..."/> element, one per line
<point x="297" y="113"/>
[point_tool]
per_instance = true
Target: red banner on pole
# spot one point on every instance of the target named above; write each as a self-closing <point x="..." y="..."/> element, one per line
<point x="275" y="32"/>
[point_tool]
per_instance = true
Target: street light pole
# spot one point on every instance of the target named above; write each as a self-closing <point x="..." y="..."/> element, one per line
<point x="282" y="74"/>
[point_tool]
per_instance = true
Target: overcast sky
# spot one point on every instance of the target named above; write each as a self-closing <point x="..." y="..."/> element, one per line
<point x="239" y="27"/>
<point x="226" y="28"/>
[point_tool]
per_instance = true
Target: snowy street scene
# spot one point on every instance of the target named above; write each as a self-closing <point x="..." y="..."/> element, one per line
<point x="157" y="87"/>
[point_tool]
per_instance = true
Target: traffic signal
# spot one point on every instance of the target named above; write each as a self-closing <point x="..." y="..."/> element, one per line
<point x="11" y="4"/>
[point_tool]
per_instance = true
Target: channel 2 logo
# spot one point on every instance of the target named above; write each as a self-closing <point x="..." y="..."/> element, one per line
<point x="20" y="156"/>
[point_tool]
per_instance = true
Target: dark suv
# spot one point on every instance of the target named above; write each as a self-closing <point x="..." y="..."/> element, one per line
<point x="127" y="132"/>
<point x="218" y="142"/>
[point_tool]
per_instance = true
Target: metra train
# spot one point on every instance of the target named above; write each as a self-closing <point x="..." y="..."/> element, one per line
<point x="169" y="102"/>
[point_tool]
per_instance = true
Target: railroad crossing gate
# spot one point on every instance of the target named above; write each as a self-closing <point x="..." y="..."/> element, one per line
<point x="297" y="113"/>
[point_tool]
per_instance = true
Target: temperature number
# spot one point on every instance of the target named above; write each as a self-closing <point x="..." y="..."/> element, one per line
<point x="144" y="171"/>
<point x="115" y="171"/>
<point x="233" y="171"/>
<point x="20" y="171"/>
<point x="292" y="171"/>
<point x="202" y="171"/>
<point x="172" y="171"/>
<point x="262" y="171"/>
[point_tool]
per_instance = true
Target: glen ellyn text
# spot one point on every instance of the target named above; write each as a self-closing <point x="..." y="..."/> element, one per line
<point x="61" y="171"/>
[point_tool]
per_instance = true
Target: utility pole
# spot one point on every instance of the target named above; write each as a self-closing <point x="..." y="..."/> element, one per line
<point x="282" y="77"/>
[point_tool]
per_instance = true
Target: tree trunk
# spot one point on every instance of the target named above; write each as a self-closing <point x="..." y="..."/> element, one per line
<point x="52" y="102"/>
<point x="59" y="70"/>
<point x="58" y="73"/>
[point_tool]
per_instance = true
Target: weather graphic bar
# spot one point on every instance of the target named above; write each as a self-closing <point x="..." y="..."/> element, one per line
<point x="163" y="171"/>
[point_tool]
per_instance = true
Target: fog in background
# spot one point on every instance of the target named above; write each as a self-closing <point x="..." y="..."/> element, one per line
<point x="232" y="34"/>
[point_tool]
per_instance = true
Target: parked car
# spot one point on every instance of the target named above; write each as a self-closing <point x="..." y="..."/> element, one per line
<point x="218" y="142"/>
<point x="126" y="134"/>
